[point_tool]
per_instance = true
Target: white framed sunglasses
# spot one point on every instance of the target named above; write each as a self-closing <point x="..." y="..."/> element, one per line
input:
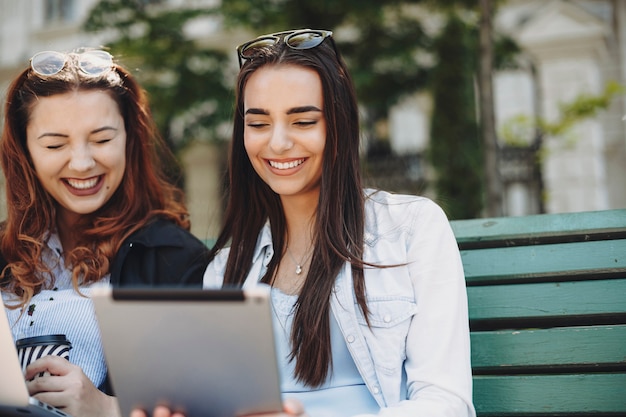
<point x="91" y="62"/>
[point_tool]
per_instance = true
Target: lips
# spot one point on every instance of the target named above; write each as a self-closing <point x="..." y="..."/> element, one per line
<point x="286" y="165"/>
<point x="82" y="184"/>
<point x="84" y="187"/>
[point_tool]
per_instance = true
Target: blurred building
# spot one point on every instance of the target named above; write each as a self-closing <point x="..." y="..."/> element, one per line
<point x="570" y="48"/>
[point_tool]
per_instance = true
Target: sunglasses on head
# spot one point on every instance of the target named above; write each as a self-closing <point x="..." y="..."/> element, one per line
<point x="295" y="39"/>
<point x="91" y="62"/>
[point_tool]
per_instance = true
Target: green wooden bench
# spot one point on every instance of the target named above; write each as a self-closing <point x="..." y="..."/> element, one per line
<point x="547" y="307"/>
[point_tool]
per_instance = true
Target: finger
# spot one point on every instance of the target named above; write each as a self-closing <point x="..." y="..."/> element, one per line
<point x="55" y="365"/>
<point x="162" y="411"/>
<point x="138" y="413"/>
<point x="55" y="399"/>
<point x="44" y="384"/>
<point x="293" y="407"/>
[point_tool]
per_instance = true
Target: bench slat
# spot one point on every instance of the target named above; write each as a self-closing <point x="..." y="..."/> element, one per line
<point x="532" y="262"/>
<point x="586" y="393"/>
<point x="561" y="299"/>
<point x="509" y="230"/>
<point x="548" y="348"/>
<point x="547" y="306"/>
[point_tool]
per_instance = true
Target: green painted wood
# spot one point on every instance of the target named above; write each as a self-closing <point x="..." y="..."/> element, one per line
<point x="563" y="224"/>
<point x="586" y="393"/>
<point x="547" y="299"/>
<point x="546" y="269"/>
<point x="573" y="346"/>
<point x="526" y="262"/>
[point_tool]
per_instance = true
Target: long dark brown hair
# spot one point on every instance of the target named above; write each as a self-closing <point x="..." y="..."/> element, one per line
<point x="339" y="218"/>
<point x="143" y="194"/>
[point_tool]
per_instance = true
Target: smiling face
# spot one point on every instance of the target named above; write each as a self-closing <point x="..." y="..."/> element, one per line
<point x="77" y="142"/>
<point x="285" y="128"/>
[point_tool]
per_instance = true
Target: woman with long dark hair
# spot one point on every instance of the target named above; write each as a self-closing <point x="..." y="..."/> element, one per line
<point x="367" y="286"/>
<point x="368" y="291"/>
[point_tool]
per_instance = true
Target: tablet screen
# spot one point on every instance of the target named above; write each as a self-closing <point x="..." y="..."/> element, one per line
<point x="208" y="353"/>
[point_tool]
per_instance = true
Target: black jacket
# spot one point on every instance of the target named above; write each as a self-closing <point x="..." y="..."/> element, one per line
<point x="160" y="254"/>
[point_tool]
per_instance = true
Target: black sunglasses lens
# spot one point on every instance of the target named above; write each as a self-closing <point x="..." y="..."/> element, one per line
<point x="299" y="39"/>
<point x="305" y="40"/>
<point x="249" y="50"/>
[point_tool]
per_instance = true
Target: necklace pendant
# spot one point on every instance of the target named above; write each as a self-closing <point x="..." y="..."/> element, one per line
<point x="298" y="269"/>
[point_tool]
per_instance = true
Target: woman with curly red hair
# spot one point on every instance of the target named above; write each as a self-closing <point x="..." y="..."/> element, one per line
<point x="87" y="205"/>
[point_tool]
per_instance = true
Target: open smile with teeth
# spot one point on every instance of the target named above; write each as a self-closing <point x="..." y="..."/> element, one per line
<point x="82" y="184"/>
<point x="285" y="165"/>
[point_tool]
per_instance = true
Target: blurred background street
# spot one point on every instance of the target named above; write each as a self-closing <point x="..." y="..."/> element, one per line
<point x="489" y="107"/>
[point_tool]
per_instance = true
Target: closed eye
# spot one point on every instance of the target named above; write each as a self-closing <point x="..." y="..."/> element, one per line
<point x="306" y="122"/>
<point x="54" y="146"/>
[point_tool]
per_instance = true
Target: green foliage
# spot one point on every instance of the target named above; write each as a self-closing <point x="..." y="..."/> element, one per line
<point x="582" y="107"/>
<point x="189" y="84"/>
<point x="517" y="130"/>
<point x="456" y="148"/>
<point x="388" y="45"/>
<point x="383" y="49"/>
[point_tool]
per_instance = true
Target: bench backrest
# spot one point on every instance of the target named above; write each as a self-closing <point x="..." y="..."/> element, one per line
<point x="547" y="305"/>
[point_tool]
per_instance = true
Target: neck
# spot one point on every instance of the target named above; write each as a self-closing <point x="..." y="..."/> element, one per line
<point x="68" y="228"/>
<point x="300" y="214"/>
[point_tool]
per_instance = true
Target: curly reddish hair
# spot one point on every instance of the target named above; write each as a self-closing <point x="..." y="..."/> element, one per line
<point x="144" y="192"/>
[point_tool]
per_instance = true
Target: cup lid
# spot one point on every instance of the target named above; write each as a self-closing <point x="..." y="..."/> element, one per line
<point x="49" y="339"/>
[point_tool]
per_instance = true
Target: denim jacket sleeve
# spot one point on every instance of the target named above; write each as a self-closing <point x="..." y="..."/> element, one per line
<point x="415" y="355"/>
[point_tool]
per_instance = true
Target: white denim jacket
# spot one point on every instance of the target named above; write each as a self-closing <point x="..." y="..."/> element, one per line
<point x="415" y="357"/>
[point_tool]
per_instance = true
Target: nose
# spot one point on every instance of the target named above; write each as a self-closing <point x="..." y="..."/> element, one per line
<point x="280" y="141"/>
<point x="82" y="159"/>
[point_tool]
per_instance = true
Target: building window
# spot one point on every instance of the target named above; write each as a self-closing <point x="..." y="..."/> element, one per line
<point x="59" y="11"/>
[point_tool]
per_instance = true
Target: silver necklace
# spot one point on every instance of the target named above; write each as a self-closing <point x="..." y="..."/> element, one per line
<point x="298" y="264"/>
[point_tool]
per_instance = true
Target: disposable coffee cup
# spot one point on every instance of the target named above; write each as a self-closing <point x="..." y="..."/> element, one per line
<point x="30" y="349"/>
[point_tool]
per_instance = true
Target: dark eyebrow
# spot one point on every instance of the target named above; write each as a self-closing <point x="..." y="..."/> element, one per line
<point x="257" y="111"/>
<point x="61" y="135"/>
<point x="303" y="109"/>
<point x="294" y="110"/>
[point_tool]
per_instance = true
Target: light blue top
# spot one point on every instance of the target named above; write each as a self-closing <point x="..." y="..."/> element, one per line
<point x="61" y="310"/>
<point x="344" y="389"/>
<point x="415" y="356"/>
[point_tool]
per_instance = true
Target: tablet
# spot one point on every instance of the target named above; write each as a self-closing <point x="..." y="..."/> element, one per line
<point x="207" y="353"/>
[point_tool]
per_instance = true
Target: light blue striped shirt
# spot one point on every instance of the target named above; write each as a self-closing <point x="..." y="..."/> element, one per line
<point x="61" y="310"/>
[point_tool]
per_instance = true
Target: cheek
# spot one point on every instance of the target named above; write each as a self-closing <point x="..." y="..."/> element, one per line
<point x="115" y="163"/>
<point x="43" y="165"/>
<point x="250" y="146"/>
<point x="33" y="156"/>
